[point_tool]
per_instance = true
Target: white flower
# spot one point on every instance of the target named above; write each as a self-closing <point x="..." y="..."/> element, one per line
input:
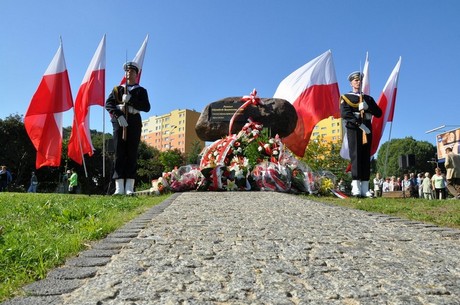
<point x="275" y="152"/>
<point x="271" y="141"/>
<point x="259" y="148"/>
<point x="266" y="145"/>
<point x="239" y="173"/>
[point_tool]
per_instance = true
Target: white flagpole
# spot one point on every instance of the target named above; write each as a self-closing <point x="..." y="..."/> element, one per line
<point x="103" y="143"/>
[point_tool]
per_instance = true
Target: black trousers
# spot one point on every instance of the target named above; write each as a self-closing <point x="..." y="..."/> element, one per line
<point x="360" y="154"/>
<point x="125" y="163"/>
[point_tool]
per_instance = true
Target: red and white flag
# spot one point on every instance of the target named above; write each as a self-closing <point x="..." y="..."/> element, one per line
<point x="314" y="93"/>
<point x="91" y="92"/>
<point x="386" y="102"/>
<point x="139" y="59"/>
<point x="366" y="85"/>
<point x="43" y="119"/>
<point x="366" y="89"/>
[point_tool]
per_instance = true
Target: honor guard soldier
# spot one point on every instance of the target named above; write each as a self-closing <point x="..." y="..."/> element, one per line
<point x="357" y="110"/>
<point x="124" y="104"/>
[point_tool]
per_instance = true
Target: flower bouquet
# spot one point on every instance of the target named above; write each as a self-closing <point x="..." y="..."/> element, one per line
<point x="269" y="176"/>
<point x="184" y="178"/>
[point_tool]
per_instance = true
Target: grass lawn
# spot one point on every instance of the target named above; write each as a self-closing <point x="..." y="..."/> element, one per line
<point x="444" y="213"/>
<point x="39" y="231"/>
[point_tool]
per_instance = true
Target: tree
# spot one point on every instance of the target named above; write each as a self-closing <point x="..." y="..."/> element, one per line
<point x="171" y="158"/>
<point x="149" y="165"/>
<point x="194" y="154"/>
<point x="17" y="151"/>
<point x="423" y="151"/>
<point x="321" y="155"/>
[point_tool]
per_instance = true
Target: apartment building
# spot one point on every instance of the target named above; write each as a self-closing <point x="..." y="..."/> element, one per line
<point x="172" y="130"/>
<point x="330" y="130"/>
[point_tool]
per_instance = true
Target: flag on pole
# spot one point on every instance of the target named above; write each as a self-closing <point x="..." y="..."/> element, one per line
<point x="91" y="92"/>
<point x="314" y="93"/>
<point x="43" y="119"/>
<point x="386" y="102"/>
<point x="365" y="88"/>
<point x="139" y="59"/>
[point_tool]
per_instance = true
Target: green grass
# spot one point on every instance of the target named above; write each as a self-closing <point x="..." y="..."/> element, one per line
<point x="444" y="213"/>
<point x="39" y="231"/>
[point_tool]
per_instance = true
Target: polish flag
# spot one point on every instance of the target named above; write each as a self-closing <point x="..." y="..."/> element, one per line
<point x="139" y="59"/>
<point x="314" y="93"/>
<point x="43" y="119"/>
<point x="91" y="92"/>
<point x="386" y="102"/>
<point x="366" y="89"/>
<point x="365" y="85"/>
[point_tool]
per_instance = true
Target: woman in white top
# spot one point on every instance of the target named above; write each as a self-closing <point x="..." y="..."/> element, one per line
<point x="438" y="182"/>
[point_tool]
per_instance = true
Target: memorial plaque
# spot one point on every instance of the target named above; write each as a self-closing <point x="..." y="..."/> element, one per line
<point x="276" y="114"/>
<point x="223" y="112"/>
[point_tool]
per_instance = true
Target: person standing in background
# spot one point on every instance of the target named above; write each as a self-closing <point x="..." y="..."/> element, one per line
<point x="33" y="183"/>
<point x="73" y="182"/>
<point x="426" y="186"/>
<point x="438" y="184"/>
<point x="453" y="172"/>
<point x="378" y="185"/>
<point x="5" y="178"/>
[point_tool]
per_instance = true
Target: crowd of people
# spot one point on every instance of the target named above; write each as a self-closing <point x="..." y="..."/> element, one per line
<point x="412" y="185"/>
<point x="424" y="185"/>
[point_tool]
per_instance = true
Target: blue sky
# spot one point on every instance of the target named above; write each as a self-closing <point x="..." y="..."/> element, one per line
<point x="201" y="51"/>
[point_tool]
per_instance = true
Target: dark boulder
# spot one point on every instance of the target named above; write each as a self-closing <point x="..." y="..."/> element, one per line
<point x="276" y="114"/>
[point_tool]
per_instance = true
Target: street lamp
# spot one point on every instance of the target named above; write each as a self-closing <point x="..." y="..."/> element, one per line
<point x="440" y="127"/>
<point x="435" y="129"/>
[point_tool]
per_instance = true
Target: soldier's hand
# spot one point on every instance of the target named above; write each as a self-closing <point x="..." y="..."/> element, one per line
<point x="126" y="97"/>
<point x="365" y="129"/>
<point x="122" y="121"/>
<point x="363" y="106"/>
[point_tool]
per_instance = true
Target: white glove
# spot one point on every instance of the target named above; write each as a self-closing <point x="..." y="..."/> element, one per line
<point x="363" y="106"/>
<point x="364" y="129"/>
<point x="122" y="121"/>
<point x="127" y="97"/>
